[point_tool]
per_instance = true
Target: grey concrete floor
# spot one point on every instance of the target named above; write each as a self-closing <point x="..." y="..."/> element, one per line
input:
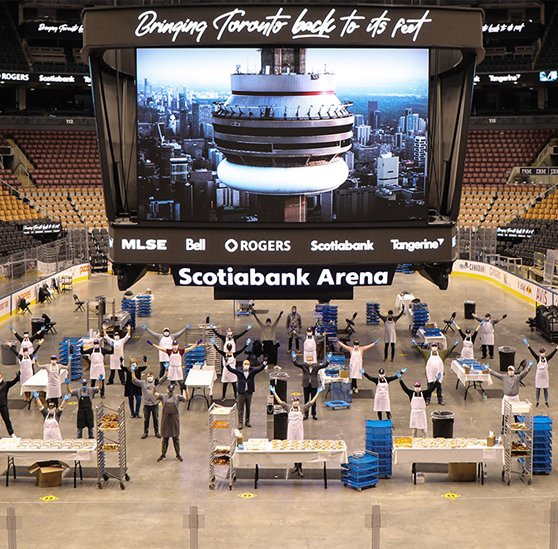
<point x="150" y="511"/>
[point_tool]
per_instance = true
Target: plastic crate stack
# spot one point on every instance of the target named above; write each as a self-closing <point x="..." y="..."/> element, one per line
<point x="129" y="305"/>
<point x="361" y="471"/>
<point x="337" y="362"/>
<point x="542" y="445"/>
<point x="193" y="357"/>
<point x="328" y="324"/>
<point x="143" y="305"/>
<point x="372" y="312"/>
<point x="420" y="316"/>
<point x="379" y="439"/>
<point x="76" y="369"/>
<point x="203" y="332"/>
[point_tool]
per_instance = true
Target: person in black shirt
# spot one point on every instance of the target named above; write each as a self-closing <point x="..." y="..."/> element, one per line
<point x="5" y="386"/>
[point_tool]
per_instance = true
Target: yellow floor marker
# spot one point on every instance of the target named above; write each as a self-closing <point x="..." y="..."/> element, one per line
<point x="48" y="498"/>
<point x="449" y="495"/>
<point x="247" y="495"/>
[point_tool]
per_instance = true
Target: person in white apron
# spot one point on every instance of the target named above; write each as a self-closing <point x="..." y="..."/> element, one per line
<point x="434" y="364"/>
<point x="390" y="336"/>
<point x="542" y="379"/>
<point x="229" y="338"/>
<point x="467" y="349"/>
<point x="165" y="341"/>
<point x="97" y="363"/>
<point x="55" y="376"/>
<point x="381" y="400"/>
<point x="26" y="365"/>
<point x="118" y="345"/>
<point x="511" y="382"/>
<point x="229" y="357"/>
<point x="487" y="333"/>
<point x="175" y="354"/>
<point x="355" y="363"/>
<point x="51" y="427"/>
<point x="27" y="341"/>
<point x="417" y="420"/>
<point x="309" y="351"/>
<point x="295" y="426"/>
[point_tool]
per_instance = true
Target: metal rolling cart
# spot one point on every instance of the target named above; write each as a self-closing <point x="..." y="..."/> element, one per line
<point x="222" y="443"/>
<point x="518" y="441"/>
<point x="203" y="331"/>
<point x="111" y="438"/>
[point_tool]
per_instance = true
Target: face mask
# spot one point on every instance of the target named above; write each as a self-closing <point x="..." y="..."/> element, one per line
<point x="382" y="376"/>
<point x="229" y="334"/>
<point x="116" y="337"/>
<point x="150" y="379"/>
<point x="246" y="368"/>
<point x="166" y="334"/>
<point x="510" y="373"/>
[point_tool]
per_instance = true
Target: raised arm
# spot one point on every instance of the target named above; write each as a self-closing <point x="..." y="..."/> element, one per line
<point x="11" y="383"/>
<point x="240" y="351"/>
<point x="446" y="352"/>
<point x="36" y="349"/>
<point x="9" y="344"/>
<point x="222" y="353"/>
<point x="366" y="347"/>
<point x="258" y="320"/>
<point x="552" y="353"/>
<point x="220" y="336"/>
<point x="497" y="375"/>
<point x="157" y="346"/>
<point x="396" y="318"/>
<point x="279" y="401"/>
<point x="152" y="332"/>
<point x="277" y="319"/>
<point x="343" y="346"/>
<point x="406" y="389"/>
<point x="176" y="335"/>
<point x="243" y="333"/>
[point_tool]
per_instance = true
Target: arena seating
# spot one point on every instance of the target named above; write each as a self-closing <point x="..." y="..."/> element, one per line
<point x="545" y="237"/>
<point x="548" y="56"/>
<point x="12" y="57"/>
<point x="13" y="240"/>
<point x="14" y="209"/>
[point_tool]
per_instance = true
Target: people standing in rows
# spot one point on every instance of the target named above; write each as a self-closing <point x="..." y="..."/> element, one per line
<point x="27" y="363"/>
<point x="246" y="385"/>
<point x="26" y="341"/>
<point x="382" y="401"/>
<point x="390" y="335"/>
<point x="97" y="363"/>
<point x="418" y="397"/>
<point x="165" y="341"/>
<point x="85" y="418"/>
<point x="52" y="415"/>
<point x="487" y="333"/>
<point x="268" y="336"/>
<point x="294" y="327"/>
<point x="310" y="380"/>
<point x="229" y="357"/>
<point x="118" y="345"/>
<point x="170" y="419"/>
<point x="434" y="364"/>
<point x="150" y="404"/>
<point x="229" y="338"/>
<point x="355" y="362"/>
<point x="132" y="391"/>
<point x="175" y="372"/>
<point x="5" y="386"/>
<point x="542" y="379"/>
<point x="468" y="347"/>
<point x="296" y="412"/>
<point x="55" y="376"/>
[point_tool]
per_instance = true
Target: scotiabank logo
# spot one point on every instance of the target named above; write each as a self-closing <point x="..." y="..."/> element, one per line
<point x="416" y="245"/>
<point x="341" y="246"/>
<point x="232" y="245"/>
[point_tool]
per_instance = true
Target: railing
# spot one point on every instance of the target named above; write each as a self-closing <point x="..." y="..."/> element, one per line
<point x="311" y="112"/>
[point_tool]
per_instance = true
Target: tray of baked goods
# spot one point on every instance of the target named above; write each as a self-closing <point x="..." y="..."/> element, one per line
<point x="58" y="445"/>
<point x="109" y="422"/>
<point x="110" y="447"/>
<point x="441" y="442"/>
<point x="310" y="445"/>
<point x="519" y="449"/>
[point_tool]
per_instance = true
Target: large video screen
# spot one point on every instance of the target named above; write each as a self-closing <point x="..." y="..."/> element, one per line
<point x="282" y="135"/>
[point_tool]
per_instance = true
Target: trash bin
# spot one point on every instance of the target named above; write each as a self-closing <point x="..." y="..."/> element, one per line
<point x="279" y="381"/>
<point x="442" y="424"/>
<point x="8" y="358"/>
<point x="470" y="309"/>
<point x="36" y="325"/>
<point x="280" y="423"/>
<point x="507" y="357"/>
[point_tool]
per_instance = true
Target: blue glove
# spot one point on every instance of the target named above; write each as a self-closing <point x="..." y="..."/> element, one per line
<point x="413" y="340"/>
<point x="67" y="396"/>
<point x="213" y="340"/>
<point x="525" y="341"/>
<point x="133" y="367"/>
<point x="101" y="377"/>
<point x="453" y="322"/>
<point x="67" y="380"/>
<point x="377" y="341"/>
<point x="361" y="371"/>
<point x="438" y="376"/>
<point x="199" y="341"/>
<point x="293" y="354"/>
<point x="404" y="370"/>
<point x="248" y="341"/>
<point x="336" y="340"/>
<point x="189" y="326"/>
<point x="320" y="389"/>
<point x="249" y="327"/>
<point x="166" y="365"/>
<point x="485" y="366"/>
<point x="150" y="342"/>
<point x="211" y="326"/>
<point x="143" y="327"/>
<point x="11" y="328"/>
<point x="35" y="395"/>
<point x="531" y="362"/>
<point x="482" y="322"/>
<point x="329" y="355"/>
<point x="457" y="341"/>
<point x="272" y="389"/>
<point x="398" y="374"/>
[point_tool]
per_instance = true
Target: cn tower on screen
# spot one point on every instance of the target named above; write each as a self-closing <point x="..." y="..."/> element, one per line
<point x="283" y="131"/>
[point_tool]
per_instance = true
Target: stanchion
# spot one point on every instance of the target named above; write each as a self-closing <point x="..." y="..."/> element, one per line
<point x="374" y="522"/>
<point x="194" y="521"/>
<point x="554" y="525"/>
<point x="11" y="523"/>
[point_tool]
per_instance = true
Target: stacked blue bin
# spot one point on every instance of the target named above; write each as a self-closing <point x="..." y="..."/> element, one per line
<point x="328" y="324"/>
<point x="542" y="445"/>
<point x="420" y="316"/>
<point x="129" y="305"/>
<point x="143" y="305"/>
<point x="361" y="471"/>
<point x="379" y="439"/>
<point x="195" y="356"/>
<point x="76" y="369"/>
<point x="373" y="312"/>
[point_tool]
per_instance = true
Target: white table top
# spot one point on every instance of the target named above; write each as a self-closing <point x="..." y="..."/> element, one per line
<point x="441" y="339"/>
<point x="201" y="378"/>
<point x="403" y="301"/>
<point x="459" y="370"/>
<point x="325" y="379"/>
<point x="40" y="454"/>
<point x="467" y="454"/>
<point x="39" y="381"/>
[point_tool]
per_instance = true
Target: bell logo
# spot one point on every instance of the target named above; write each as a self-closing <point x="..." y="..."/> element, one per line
<point x="195" y="246"/>
<point x="139" y="244"/>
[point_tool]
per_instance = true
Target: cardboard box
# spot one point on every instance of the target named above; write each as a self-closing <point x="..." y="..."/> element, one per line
<point x="344" y="373"/>
<point x="462" y="472"/>
<point x="49" y="473"/>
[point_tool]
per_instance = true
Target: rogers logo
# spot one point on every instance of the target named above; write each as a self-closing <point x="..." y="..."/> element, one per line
<point x="417" y="245"/>
<point x="232" y="245"/>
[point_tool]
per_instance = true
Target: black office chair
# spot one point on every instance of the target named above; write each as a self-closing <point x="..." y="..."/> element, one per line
<point x="23" y="306"/>
<point x="449" y="323"/>
<point x="49" y="325"/>
<point x="79" y="304"/>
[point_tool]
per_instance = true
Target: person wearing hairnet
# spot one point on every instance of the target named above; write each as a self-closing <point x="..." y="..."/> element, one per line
<point x="97" y="363"/>
<point x="114" y="361"/>
<point x="467" y="349"/>
<point x="542" y="379"/>
<point x="165" y="341"/>
<point x="487" y="333"/>
<point x="51" y="427"/>
<point x="355" y="363"/>
<point x="390" y="335"/>
<point x="417" y="421"/>
<point x="382" y="401"/>
<point x="85" y="419"/>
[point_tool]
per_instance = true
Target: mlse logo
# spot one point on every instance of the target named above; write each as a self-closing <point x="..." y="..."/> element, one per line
<point x="139" y="244"/>
<point x="195" y="246"/>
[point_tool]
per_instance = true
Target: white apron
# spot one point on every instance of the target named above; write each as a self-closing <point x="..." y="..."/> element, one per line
<point x="467" y="351"/>
<point x="53" y="389"/>
<point x="418" y="412"/>
<point x="226" y="376"/>
<point x="355" y="364"/>
<point x="434" y="366"/>
<point x="389" y="332"/>
<point x="118" y="346"/>
<point x="175" y="372"/>
<point x="295" y="428"/>
<point x="26" y="369"/>
<point x="514" y="398"/>
<point x="97" y="365"/>
<point x="487" y="333"/>
<point x="51" y="429"/>
<point x="309" y="350"/>
<point x="381" y="400"/>
<point x="541" y="377"/>
<point x="229" y="341"/>
<point x="166" y="343"/>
